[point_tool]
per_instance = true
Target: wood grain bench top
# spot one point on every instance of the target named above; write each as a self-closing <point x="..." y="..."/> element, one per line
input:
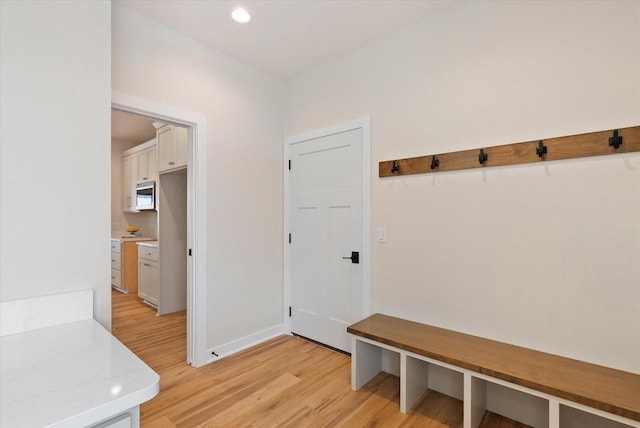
<point x="600" y="387"/>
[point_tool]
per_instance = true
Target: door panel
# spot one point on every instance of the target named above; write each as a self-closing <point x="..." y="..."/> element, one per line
<point x="326" y="226"/>
<point x="309" y="270"/>
<point x="324" y="170"/>
<point x="341" y="269"/>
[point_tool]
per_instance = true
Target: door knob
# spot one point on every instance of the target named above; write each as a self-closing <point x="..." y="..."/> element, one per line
<point x="355" y="257"/>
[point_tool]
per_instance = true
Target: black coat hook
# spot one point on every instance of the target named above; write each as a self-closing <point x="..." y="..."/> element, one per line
<point x="395" y="167"/>
<point x="482" y="157"/>
<point x="541" y="150"/>
<point x="616" y="140"/>
<point x="435" y="162"/>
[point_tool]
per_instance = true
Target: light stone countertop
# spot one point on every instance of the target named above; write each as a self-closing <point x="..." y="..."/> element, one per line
<point x="134" y="239"/>
<point x="71" y="375"/>
<point x="153" y="244"/>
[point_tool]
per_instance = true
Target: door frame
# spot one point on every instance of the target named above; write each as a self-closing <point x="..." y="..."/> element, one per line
<point x="197" y="212"/>
<point x="363" y="123"/>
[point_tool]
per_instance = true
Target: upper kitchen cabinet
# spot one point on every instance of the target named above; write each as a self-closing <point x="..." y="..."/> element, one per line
<point x="173" y="147"/>
<point x="147" y="165"/>
<point x="139" y="165"/>
<point x="129" y="174"/>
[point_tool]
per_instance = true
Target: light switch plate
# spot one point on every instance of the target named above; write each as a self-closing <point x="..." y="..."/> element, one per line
<point x="382" y="234"/>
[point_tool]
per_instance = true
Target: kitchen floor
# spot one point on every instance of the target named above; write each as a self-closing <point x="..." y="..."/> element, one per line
<point x="283" y="382"/>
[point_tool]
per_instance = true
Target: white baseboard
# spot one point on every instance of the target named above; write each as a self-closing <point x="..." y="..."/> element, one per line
<point x="238" y="345"/>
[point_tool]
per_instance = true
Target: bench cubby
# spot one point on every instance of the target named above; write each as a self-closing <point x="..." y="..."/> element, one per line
<point x="422" y="374"/>
<point x="570" y="417"/>
<point x="519" y="404"/>
<point x="535" y="388"/>
<point x="375" y="358"/>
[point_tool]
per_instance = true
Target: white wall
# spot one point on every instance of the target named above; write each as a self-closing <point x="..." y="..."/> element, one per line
<point x="545" y="256"/>
<point x="54" y="150"/>
<point x="243" y="108"/>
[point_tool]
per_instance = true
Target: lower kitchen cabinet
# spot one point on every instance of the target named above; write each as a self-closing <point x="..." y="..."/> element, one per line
<point x="160" y="283"/>
<point x="124" y="266"/>
<point x="148" y="274"/>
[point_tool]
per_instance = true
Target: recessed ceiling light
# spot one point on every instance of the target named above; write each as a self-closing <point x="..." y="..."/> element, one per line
<point x="241" y="15"/>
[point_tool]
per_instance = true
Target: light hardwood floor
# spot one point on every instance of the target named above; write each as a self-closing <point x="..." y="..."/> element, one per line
<point x="285" y="382"/>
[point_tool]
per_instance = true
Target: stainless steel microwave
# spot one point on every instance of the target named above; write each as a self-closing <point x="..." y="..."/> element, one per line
<point x="146" y="196"/>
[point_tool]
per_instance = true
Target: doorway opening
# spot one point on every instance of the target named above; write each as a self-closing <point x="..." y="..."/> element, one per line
<point x="181" y="227"/>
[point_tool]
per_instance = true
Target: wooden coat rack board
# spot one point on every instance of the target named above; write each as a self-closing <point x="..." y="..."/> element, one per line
<point x="623" y="140"/>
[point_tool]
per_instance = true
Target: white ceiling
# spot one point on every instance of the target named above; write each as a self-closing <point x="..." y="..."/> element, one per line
<point x="130" y="128"/>
<point x="283" y="38"/>
<point x="286" y="37"/>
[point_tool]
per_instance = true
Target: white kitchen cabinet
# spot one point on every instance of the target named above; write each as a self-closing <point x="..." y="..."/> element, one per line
<point x="129" y="181"/>
<point x="173" y="147"/>
<point x="139" y="165"/>
<point x="121" y="421"/>
<point x="116" y="264"/>
<point x="148" y="274"/>
<point x="116" y="278"/>
<point x="147" y="165"/>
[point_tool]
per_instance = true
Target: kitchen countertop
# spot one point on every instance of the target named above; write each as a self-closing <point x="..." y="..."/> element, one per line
<point x="153" y="244"/>
<point x="134" y="239"/>
<point x="71" y="375"/>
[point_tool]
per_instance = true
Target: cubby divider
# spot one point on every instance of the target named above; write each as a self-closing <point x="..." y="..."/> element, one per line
<point x="475" y="401"/>
<point x="415" y="372"/>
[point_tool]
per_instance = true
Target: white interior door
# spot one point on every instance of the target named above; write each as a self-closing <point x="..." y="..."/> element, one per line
<point x="326" y="214"/>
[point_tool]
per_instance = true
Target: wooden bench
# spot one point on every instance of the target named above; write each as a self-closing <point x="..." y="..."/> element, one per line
<point x="563" y="382"/>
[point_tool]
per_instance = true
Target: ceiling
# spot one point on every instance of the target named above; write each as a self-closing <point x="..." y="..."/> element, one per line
<point x="286" y="37"/>
<point x="283" y="38"/>
<point x="130" y="128"/>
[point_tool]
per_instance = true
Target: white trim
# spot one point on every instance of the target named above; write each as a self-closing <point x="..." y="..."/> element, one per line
<point x="197" y="275"/>
<point x="363" y="123"/>
<point x="286" y="253"/>
<point x="366" y="216"/>
<point x="238" y="345"/>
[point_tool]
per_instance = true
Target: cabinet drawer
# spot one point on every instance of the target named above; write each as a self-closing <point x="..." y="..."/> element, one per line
<point x="148" y="253"/>
<point x="116" y="260"/>
<point x="115" y="247"/>
<point x="116" y="277"/>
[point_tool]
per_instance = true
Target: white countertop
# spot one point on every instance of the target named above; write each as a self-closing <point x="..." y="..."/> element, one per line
<point x="153" y="244"/>
<point x="134" y="239"/>
<point x="71" y="375"/>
